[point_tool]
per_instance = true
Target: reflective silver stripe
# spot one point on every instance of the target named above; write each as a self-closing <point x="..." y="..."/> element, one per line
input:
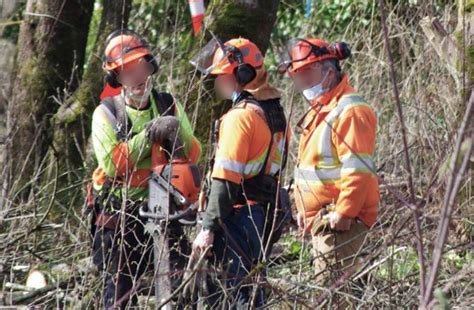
<point x="281" y="144"/>
<point x="276" y="163"/>
<point x="237" y="167"/>
<point x="230" y="165"/>
<point x="326" y="142"/>
<point x="358" y="162"/>
<point x="252" y="168"/>
<point x="317" y="175"/>
<point x="274" y="168"/>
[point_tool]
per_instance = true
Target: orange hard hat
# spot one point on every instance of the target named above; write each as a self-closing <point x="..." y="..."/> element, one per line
<point x="224" y="63"/>
<point x="124" y="48"/>
<point x="306" y="51"/>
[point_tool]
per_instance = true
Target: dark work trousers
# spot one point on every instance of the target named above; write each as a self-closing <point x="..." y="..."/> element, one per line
<point x="238" y="247"/>
<point x="124" y="255"/>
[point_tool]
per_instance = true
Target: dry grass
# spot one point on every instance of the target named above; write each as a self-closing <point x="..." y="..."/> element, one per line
<point x="33" y="236"/>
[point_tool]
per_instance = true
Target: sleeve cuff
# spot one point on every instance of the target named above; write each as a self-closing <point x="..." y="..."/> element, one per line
<point x="347" y="210"/>
<point x="209" y="224"/>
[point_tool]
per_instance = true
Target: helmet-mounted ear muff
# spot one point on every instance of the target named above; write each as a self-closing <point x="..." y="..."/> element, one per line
<point x="111" y="75"/>
<point x="244" y="73"/>
<point x="342" y="50"/>
<point x="207" y="62"/>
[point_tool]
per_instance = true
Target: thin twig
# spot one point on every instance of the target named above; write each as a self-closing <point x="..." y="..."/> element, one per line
<point x="453" y="186"/>
<point x="419" y="237"/>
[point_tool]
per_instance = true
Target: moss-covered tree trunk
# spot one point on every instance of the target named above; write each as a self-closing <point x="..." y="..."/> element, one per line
<point x="72" y="122"/>
<point x="456" y="50"/>
<point x="227" y="19"/>
<point x="51" y="48"/>
<point x="465" y="40"/>
<point x="251" y="19"/>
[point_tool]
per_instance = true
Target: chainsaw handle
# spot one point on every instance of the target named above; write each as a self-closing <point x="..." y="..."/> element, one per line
<point x="155" y="155"/>
<point x="143" y="212"/>
<point x="166" y="150"/>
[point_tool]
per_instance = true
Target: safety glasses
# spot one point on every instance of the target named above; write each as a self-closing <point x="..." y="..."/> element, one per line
<point x="203" y="60"/>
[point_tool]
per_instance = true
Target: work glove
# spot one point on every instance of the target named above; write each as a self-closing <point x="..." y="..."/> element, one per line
<point x="161" y="129"/>
<point x="203" y="240"/>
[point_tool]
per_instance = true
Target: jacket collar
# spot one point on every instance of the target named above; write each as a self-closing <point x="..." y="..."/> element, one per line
<point x="335" y="93"/>
<point x="260" y="88"/>
<point x="327" y="102"/>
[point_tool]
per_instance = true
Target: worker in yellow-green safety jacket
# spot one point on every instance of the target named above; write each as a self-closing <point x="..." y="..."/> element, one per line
<point x="125" y="129"/>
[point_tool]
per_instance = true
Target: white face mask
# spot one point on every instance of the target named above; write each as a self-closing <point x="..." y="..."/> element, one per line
<point x="316" y="90"/>
<point x="146" y="93"/>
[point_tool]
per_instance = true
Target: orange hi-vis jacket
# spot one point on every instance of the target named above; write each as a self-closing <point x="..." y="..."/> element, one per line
<point x="335" y="160"/>
<point x="243" y="141"/>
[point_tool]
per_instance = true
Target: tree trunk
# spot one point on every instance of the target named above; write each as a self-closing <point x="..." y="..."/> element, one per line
<point x="7" y="57"/>
<point x="72" y="122"/>
<point x="456" y="50"/>
<point x="51" y="48"/>
<point x="251" y="19"/>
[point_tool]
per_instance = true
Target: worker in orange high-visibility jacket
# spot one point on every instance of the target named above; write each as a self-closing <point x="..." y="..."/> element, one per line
<point x="337" y="191"/>
<point x="251" y="148"/>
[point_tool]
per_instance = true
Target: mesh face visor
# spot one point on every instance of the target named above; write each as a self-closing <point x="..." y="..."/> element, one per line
<point x="298" y="50"/>
<point x="203" y="60"/>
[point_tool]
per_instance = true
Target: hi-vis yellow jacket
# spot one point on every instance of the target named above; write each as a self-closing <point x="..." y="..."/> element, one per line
<point x="335" y="161"/>
<point x="130" y="161"/>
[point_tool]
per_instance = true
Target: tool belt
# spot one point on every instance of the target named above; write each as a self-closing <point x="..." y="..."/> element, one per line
<point x="105" y="220"/>
<point x="105" y="206"/>
<point x="107" y="211"/>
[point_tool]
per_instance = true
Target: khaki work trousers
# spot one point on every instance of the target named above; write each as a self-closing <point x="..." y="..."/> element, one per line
<point x="335" y="253"/>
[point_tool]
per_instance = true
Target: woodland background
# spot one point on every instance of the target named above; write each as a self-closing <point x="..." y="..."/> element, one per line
<point x="412" y="60"/>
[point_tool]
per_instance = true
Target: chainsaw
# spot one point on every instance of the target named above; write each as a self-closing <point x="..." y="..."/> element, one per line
<point x="173" y="197"/>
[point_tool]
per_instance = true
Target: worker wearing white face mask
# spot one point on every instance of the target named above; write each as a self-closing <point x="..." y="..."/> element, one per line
<point x="336" y="187"/>
<point x="316" y="90"/>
